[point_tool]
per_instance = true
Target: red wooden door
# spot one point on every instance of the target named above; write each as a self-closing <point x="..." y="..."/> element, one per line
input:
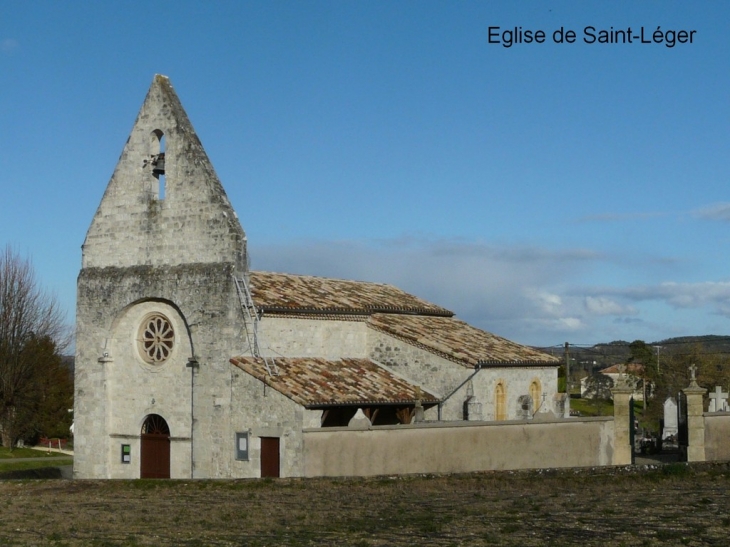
<point x="269" y="456"/>
<point x="155" y="449"/>
<point x="155" y="457"/>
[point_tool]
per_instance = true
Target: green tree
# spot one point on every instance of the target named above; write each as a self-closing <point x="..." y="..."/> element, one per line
<point x="54" y="394"/>
<point x="598" y="391"/>
<point x="642" y="353"/>
<point x="32" y="334"/>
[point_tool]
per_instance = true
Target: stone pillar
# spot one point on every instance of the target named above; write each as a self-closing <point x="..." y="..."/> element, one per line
<point x="622" y="449"/>
<point x="695" y="422"/>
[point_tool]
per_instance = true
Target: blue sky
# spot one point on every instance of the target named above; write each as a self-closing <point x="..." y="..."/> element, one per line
<point x="544" y="192"/>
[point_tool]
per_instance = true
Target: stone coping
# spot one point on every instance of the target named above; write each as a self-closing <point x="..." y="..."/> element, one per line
<point x="442" y="425"/>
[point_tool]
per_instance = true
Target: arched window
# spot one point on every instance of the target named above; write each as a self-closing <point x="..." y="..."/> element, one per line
<point x="157" y="142"/>
<point x="155" y="425"/>
<point x="500" y="402"/>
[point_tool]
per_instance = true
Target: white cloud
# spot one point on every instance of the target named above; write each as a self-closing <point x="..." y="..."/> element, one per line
<point x="716" y="211"/>
<point x="715" y="294"/>
<point x="601" y="305"/>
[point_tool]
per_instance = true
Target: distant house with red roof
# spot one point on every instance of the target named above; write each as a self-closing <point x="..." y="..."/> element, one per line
<point x="600" y="384"/>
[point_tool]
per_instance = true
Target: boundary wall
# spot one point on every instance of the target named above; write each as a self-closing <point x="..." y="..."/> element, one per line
<point x="717" y="436"/>
<point x="458" y="447"/>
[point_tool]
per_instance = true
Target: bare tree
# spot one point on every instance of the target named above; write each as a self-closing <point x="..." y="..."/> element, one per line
<point x="32" y="331"/>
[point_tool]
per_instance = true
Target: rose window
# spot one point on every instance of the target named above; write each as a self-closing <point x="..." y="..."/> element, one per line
<point x="156" y="339"/>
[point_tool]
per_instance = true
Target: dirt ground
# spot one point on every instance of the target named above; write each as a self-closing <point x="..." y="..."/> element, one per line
<point x="641" y="505"/>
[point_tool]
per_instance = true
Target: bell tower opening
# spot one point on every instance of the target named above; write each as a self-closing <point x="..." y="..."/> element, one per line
<point x="157" y="155"/>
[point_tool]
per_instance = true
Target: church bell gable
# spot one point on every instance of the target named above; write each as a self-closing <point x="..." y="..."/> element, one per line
<point x="164" y="205"/>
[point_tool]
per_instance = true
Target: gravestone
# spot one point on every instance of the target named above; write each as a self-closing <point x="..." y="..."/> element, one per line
<point x="559" y="406"/>
<point x="671" y="422"/>
<point x="474" y="410"/>
<point x="718" y="400"/>
<point x="359" y="420"/>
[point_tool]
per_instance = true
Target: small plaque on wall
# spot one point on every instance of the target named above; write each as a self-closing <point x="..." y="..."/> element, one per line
<point x="126" y="453"/>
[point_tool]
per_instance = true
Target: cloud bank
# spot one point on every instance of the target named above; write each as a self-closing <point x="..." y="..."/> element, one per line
<point x="532" y="295"/>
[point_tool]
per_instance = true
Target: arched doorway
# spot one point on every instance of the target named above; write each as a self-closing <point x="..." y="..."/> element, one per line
<point x="155" y="454"/>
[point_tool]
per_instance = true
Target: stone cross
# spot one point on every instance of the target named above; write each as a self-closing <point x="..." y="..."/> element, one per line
<point x="718" y="400"/>
<point x="692" y="373"/>
<point x="621" y="381"/>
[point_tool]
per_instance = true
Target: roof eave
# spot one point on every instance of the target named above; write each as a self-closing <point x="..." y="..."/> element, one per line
<point x="505" y="364"/>
<point x="353" y="311"/>
<point x="316" y="406"/>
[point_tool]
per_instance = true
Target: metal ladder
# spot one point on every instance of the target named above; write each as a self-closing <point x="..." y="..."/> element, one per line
<point x="252" y="316"/>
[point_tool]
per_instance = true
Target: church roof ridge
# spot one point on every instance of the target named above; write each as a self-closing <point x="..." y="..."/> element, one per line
<point x="292" y="293"/>
<point x="459" y="341"/>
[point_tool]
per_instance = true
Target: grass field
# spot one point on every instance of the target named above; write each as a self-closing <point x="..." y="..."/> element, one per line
<point x="40" y="463"/>
<point x="15" y="453"/>
<point x="671" y="505"/>
<point x="10" y="460"/>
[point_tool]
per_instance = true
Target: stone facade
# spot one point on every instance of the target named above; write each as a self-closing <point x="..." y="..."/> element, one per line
<point x="160" y="318"/>
<point x="170" y="251"/>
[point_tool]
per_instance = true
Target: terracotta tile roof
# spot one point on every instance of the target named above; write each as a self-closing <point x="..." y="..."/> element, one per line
<point x="636" y="369"/>
<point x="458" y="341"/>
<point x="313" y="381"/>
<point x="277" y="292"/>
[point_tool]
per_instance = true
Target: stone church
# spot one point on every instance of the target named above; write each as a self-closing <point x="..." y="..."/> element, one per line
<point x="188" y="365"/>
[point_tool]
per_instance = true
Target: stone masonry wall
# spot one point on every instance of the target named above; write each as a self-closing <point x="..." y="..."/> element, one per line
<point x="434" y="373"/>
<point x="264" y="412"/>
<point x="332" y="339"/>
<point x="458" y="447"/>
<point x="192" y="223"/>
<point x="443" y="376"/>
<point x="113" y="397"/>
<point x="173" y="249"/>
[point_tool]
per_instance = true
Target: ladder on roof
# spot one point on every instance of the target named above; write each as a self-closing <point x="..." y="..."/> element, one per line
<point x="252" y="321"/>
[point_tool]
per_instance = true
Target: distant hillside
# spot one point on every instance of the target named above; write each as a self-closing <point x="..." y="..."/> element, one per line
<point x="602" y="355"/>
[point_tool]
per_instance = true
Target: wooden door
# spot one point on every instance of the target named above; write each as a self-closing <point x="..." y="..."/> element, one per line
<point x="269" y="456"/>
<point x="155" y="449"/>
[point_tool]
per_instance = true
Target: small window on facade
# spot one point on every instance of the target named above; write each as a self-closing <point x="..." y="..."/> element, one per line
<point x="242" y="446"/>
